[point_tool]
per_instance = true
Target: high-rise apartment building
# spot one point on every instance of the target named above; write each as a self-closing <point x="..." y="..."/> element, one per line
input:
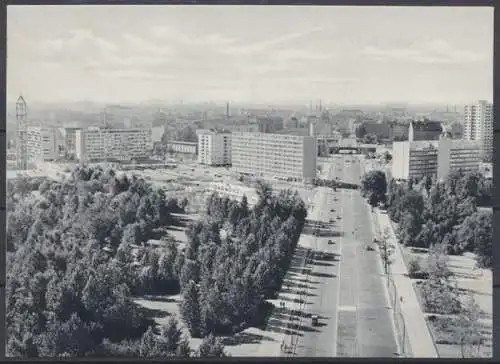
<point x="275" y="156"/>
<point x="214" y="147"/>
<point x="478" y="125"/>
<point x="96" y="144"/>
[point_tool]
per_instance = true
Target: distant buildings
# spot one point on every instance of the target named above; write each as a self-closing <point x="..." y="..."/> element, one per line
<point x="275" y="155"/>
<point x="424" y="130"/>
<point x="214" y="147"/>
<point x="399" y="131"/>
<point x="183" y="147"/>
<point x="478" y="125"/>
<point x="98" y="144"/>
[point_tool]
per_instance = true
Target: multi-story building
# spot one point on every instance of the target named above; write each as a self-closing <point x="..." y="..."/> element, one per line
<point x="183" y="147"/>
<point x="414" y="159"/>
<point x="70" y="139"/>
<point x="478" y="125"/>
<point x="41" y="144"/>
<point x="282" y="156"/>
<point x="434" y="158"/>
<point x="214" y="147"/>
<point x="424" y="130"/>
<point x="398" y="131"/>
<point x="456" y="155"/>
<point x="96" y="144"/>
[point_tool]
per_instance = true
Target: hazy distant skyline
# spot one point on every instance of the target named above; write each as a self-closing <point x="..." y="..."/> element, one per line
<point x="260" y="54"/>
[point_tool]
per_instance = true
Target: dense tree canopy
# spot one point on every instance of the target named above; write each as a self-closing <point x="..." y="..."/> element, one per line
<point x="236" y="258"/>
<point x="430" y="212"/>
<point x="76" y="255"/>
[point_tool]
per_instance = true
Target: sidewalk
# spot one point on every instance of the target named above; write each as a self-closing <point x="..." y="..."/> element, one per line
<point x="421" y="342"/>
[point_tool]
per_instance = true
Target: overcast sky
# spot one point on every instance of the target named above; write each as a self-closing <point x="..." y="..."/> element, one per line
<point x="250" y="53"/>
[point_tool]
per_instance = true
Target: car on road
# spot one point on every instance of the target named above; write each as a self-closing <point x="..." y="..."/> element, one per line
<point x="338" y="217"/>
<point x="330" y="242"/>
<point x="314" y="320"/>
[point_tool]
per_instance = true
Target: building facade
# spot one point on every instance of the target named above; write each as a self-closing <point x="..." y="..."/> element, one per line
<point x="96" y="144"/>
<point x="424" y="130"/>
<point x="414" y="159"/>
<point x="275" y="156"/>
<point x="478" y="125"/>
<point x="454" y="155"/>
<point x="183" y="147"/>
<point x="41" y="144"/>
<point x="70" y="139"/>
<point x="214" y="147"/>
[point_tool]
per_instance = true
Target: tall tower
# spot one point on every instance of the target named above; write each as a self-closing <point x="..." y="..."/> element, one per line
<point x="478" y="125"/>
<point x="21" y="142"/>
<point x="227" y="110"/>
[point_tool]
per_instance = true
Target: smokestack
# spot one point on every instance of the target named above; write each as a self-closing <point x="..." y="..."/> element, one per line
<point x="227" y="110"/>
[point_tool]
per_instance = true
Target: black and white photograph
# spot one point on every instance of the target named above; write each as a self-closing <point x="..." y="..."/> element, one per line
<point x="211" y="181"/>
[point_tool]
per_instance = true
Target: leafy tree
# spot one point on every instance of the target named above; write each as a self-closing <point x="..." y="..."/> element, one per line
<point x="211" y="347"/>
<point x="190" y="309"/>
<point x="374" y="187"/>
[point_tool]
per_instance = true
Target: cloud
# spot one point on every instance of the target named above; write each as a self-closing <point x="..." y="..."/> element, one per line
<point x="176" y="36"/>
<point x="133" y="74"/>
<point x="77" y="39"/>
<point x="436" y="51"/>
<point x="300" y="55"/>
<point x="142" y="45"/>
<point x="267" y="44"/>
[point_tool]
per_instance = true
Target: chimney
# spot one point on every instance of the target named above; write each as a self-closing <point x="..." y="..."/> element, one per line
<point x="227" y="110"/>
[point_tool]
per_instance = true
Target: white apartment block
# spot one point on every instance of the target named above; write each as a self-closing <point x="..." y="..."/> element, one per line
<point x="214" y="147"/>
<point x="40" y="144"/>
<point x="275" y="156"/>
<point x="414" y="159"/>
<point x="454" y="155"/>
<point x="478" y="125"/>
<point x="434" y="158"/>
<point x="96" y="144"/>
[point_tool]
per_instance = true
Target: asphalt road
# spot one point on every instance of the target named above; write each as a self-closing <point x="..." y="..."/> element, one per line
<point x="345" y="287"/>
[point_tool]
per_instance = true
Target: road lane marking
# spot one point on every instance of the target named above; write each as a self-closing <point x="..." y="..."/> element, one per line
<point x="348" y="308"/>
<point x="339" y="272"/>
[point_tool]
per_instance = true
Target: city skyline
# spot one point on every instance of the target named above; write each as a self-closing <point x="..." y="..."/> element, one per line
<point x="292" y="54"/>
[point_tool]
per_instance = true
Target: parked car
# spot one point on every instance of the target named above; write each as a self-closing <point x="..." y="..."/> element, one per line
<point x="314" y="320"/>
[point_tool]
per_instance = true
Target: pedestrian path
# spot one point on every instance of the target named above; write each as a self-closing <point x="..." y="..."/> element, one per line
<point x="421" y="342"/>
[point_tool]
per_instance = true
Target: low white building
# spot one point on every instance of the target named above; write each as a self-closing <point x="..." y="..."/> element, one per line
<point x="234" y="191"/>
<point x="183" y="147"/>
